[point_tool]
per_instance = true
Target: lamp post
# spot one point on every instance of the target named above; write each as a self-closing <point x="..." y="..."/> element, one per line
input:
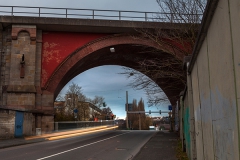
<point x="22" y="72"/>
<point x="139" y="119"/>
<point x="127" y="109"/>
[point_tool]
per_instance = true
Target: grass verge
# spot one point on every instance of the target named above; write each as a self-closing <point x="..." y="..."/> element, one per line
<point x="180" y="154"/>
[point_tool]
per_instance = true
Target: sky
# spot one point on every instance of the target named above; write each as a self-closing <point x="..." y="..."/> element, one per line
<point x="132" y="5"/>
<point x="102" y="81"/>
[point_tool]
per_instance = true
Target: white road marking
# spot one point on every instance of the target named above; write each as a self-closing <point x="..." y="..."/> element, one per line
<point x="81" y="146"/>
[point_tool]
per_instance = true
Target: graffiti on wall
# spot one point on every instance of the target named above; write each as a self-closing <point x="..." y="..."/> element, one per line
<point x="187" y="129"/>
<point x="57" y="46"/>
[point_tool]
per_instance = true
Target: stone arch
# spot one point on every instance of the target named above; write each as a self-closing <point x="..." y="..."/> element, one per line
<point x="73" y="61"/>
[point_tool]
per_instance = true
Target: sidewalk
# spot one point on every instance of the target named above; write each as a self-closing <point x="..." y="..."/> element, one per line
<point x="5" y="143"/>
<point x="161" y="146"/>
<point x="18" y="141"/>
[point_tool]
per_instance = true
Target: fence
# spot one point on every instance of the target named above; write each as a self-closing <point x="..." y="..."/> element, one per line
<point x="98" y="14"/>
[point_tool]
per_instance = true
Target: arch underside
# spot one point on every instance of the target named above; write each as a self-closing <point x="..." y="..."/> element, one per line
<point x="125" y="55"/>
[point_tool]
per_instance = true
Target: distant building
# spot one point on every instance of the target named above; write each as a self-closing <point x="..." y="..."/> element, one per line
<point x="162" y="123"/>
<point x="81" y="111"/>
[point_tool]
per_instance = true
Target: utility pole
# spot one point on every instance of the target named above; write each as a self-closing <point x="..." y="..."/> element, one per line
<point x="127" y="109"/>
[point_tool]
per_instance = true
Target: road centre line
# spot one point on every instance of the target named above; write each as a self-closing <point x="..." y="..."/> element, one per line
<point x="81" y="146"/>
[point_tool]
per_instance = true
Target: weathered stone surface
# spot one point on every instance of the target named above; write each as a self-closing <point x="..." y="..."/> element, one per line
<point x="47" y="124"/>
<point x="28" y="124"/>
<point x="21" y="99"/>
<point x="7" y="124"/>
<point x="21" y="89"/>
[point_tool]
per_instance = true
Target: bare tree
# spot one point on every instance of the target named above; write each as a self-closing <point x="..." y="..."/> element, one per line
<point x="59" y="97"/>
<point x="72" y="98"/>
<point x="106" y="113"/>
<point x="167" y="68"/>
<point x="98" y="101"/>
<point x="83" y="111"/>
<point x="181" y="11"/>
<point x="76" y="106"/>
<point x="136" y="120"/>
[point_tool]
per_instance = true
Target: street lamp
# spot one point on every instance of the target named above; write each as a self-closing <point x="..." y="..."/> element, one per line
<point x="112" y="49"/>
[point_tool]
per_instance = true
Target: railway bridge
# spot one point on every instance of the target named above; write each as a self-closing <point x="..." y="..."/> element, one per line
<point x="41" y="53"/>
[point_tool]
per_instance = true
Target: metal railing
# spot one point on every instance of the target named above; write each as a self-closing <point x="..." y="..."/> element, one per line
<point x="95" y="14"/>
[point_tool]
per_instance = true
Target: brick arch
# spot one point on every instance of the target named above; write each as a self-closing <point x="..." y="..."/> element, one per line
<point x="54" y="84"/>
<point x="30" y="29"/>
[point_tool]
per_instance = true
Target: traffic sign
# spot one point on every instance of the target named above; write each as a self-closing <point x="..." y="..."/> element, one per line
<point x="129" y="107"/>
<point x="75" y="110"/>
<point x="170" y="107"/>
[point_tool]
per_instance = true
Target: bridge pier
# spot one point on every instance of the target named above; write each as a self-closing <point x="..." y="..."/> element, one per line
<point x="20" y="72"/>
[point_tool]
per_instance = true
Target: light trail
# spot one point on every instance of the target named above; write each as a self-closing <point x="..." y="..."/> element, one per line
<point x="77" y="134"/>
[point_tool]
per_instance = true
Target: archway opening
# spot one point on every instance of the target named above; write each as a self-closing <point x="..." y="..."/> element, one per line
<point x="119" y="51"/>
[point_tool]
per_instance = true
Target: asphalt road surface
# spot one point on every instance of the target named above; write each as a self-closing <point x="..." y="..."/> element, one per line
<point x="105" y="145"/>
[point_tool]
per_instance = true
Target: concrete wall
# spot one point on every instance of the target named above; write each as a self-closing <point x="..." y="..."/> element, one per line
<point x="215" y="81"/>
<point x="187" y="126"/>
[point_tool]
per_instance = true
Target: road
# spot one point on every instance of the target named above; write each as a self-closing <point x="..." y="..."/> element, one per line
<point x="105" y="145"/>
